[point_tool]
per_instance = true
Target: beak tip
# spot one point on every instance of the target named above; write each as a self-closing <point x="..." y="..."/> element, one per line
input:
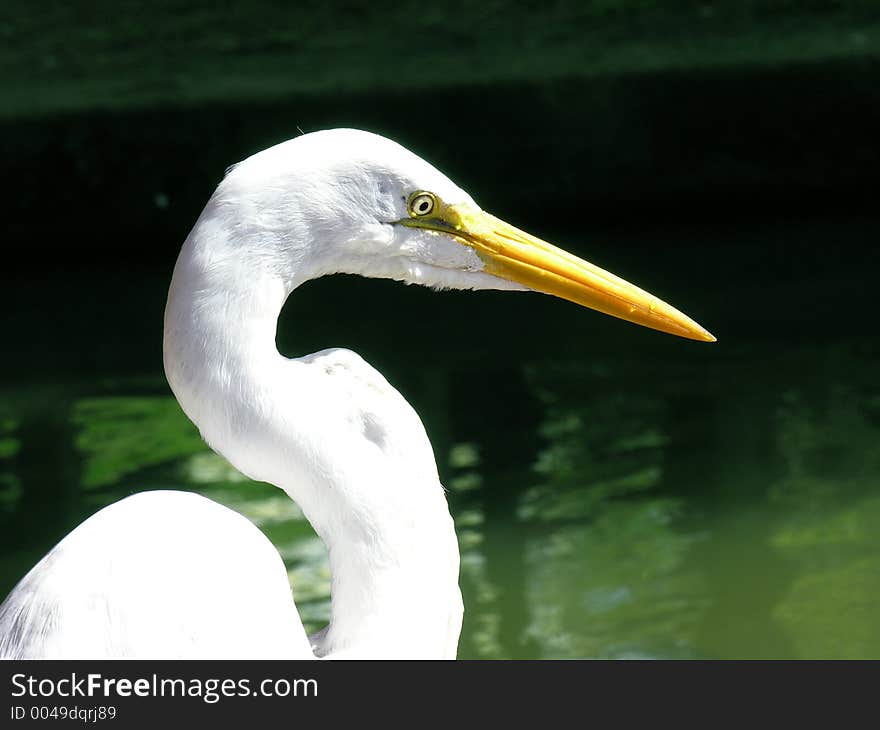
<point x="707" y="336"/>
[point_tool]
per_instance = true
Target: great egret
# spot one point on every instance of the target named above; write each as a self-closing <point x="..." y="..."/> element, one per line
<point x="171" y="574"/>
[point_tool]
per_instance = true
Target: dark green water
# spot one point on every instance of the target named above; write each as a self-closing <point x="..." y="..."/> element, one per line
<point x="617" y="493"/>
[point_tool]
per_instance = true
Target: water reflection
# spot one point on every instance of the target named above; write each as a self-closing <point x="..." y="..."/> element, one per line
<point x="705" y="512"/>
<point x="10" y="486"/>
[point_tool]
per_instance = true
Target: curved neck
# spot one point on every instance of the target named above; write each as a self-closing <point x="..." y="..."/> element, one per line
<point x="393" y="550"/>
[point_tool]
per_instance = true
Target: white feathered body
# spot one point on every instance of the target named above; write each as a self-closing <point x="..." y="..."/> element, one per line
<point x="158" y="575"/>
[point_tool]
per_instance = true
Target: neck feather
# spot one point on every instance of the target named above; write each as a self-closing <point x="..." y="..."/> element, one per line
<point x="381" y="513"/>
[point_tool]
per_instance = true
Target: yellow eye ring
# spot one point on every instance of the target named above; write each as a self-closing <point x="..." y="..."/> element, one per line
<point x="421" y="204"/>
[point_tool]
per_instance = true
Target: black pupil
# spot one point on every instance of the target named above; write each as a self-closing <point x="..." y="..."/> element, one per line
<point x="423" y="206"/>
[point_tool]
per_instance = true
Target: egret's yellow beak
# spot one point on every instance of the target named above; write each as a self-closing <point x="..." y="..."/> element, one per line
<point x="512" y="254"/>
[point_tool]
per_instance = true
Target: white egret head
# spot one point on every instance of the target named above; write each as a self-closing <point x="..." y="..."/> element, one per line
<point x="367" y="206"/>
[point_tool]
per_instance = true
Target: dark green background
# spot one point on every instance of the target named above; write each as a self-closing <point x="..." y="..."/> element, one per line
<point x="617" y="492"/>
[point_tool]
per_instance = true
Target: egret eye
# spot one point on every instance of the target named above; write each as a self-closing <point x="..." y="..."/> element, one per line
<point x="421" y="204"/>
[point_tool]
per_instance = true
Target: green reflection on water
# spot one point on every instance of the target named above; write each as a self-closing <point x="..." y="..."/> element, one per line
<point x="704" y="512"/>
<point x="121" y="435"/>
<point x="10" y="486"/>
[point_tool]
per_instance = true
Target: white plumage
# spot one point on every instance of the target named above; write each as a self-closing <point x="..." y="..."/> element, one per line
<point x="156" y="575"/>
<point x="171" y="574"/>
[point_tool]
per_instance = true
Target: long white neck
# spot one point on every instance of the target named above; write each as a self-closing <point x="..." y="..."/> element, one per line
<point x="326" y="428"/>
